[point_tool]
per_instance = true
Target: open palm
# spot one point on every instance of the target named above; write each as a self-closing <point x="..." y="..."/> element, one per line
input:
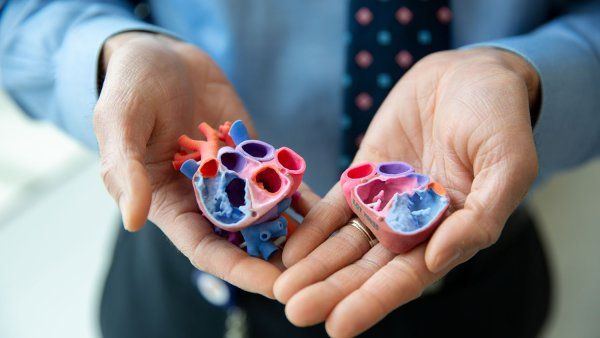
<point x="155" y="90"/>
<point x="462" y="118"/>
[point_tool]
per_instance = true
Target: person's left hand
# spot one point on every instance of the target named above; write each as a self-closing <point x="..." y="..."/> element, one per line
<point x="156" y="89"/>
<point x="461" y="117"/>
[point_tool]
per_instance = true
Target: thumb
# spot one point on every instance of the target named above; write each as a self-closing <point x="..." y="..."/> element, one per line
<point x="122" y="143"/>
<point x="136" y="194"/>
<point x="324" y="218"/>
<point x="496" y="191"/>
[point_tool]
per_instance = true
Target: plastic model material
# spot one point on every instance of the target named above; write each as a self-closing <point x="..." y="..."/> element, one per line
<point x="243" y="187"/>
<point x="402" y="208"/>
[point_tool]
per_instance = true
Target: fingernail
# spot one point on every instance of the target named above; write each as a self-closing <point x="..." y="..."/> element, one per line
<point x="444" y="263"/>
<point x="123" y="207"/>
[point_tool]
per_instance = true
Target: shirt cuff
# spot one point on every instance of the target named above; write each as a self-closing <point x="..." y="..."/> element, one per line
<point x="77" y="68"/>
<point x="566" y="132"/>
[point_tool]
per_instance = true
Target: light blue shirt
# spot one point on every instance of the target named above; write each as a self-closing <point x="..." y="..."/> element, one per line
<point x="286" y="59"/>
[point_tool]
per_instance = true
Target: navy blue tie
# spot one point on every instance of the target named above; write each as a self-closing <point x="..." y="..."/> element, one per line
<point x="385" y="38"/>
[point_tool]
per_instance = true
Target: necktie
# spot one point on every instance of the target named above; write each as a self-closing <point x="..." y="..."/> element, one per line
<point x="385" y="38"/>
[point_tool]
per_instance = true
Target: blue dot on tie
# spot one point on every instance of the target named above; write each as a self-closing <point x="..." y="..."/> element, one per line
<point x="347" y="80"/>
<point x="384" y="80"/>
<point x="384" y="38"/>
<point x="346" y="121"/>
<point x="424" y="37"/>
<point x="344" y="161"/>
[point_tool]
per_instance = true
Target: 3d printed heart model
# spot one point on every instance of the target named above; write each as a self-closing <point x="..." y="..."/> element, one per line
<point x="402" y="208"/>
<point x="243" y="187"/>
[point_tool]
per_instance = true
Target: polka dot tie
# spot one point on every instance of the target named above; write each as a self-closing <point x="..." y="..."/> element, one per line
<point x="385" y="38"/>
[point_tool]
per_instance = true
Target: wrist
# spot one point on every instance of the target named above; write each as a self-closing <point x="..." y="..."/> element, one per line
<point x="118" y="41"/>
<point x="112" y="44"/>
<point x="518" y="65"/>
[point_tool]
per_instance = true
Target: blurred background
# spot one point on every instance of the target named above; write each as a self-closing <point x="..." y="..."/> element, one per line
<point x="57" y="226"/>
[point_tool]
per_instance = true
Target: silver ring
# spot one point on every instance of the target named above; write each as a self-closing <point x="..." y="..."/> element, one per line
<point x="355" y="222"/>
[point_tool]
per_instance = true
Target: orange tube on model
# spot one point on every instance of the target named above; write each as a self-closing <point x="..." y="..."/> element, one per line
<point x="203" y="151"/>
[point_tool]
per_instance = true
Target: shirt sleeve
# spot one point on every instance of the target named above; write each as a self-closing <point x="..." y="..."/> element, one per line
<point x="566" y="54"/>
<point x="49" y="54"/>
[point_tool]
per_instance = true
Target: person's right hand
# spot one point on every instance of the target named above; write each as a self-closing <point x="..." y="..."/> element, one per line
<point x="156" y="89"/>
<point x="464" y="118"/>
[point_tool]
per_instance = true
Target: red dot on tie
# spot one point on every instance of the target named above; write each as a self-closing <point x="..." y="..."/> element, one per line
<point x="444" y="15"/>
<point x="363" y="59"/>
<point x="363" y="101"/>
<point x="404" y="59"/>
<point x="363" y="16"/>
<point x="404" y="15"/>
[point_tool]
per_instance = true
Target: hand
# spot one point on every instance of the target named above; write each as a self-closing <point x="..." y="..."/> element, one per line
<point x="156" y="89"/>
<point x="461" y="117"/>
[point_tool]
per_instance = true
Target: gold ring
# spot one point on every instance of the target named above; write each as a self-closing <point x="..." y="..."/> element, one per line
<point x="355" y="222"/>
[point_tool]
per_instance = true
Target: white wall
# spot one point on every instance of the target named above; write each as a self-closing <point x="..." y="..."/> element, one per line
<point x="568" y="209"/>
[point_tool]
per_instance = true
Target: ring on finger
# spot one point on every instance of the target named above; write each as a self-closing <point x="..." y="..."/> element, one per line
<point x="355" y="222"/>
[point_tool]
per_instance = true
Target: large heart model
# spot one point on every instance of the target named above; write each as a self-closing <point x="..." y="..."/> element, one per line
<point x="244" y="186"/>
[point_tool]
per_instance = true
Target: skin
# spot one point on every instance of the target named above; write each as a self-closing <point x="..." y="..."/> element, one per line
<point x="156" y="89"/>
<point x="462" y="117"/>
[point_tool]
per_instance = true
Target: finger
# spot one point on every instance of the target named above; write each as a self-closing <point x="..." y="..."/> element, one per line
<point x="314" y="303"/>
<point x="345" y="247"/>
<point x="401" y="280"/>
<point x="305" y="201"/>
<point x="224" y="260"/>
<point x="324" y="218"/>
<point x="194" y="237"/>
<point x="496" y="191"/>
<point x="122" y="143"/>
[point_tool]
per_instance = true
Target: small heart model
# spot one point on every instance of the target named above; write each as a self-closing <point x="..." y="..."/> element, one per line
<point x="401" y="208"/>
